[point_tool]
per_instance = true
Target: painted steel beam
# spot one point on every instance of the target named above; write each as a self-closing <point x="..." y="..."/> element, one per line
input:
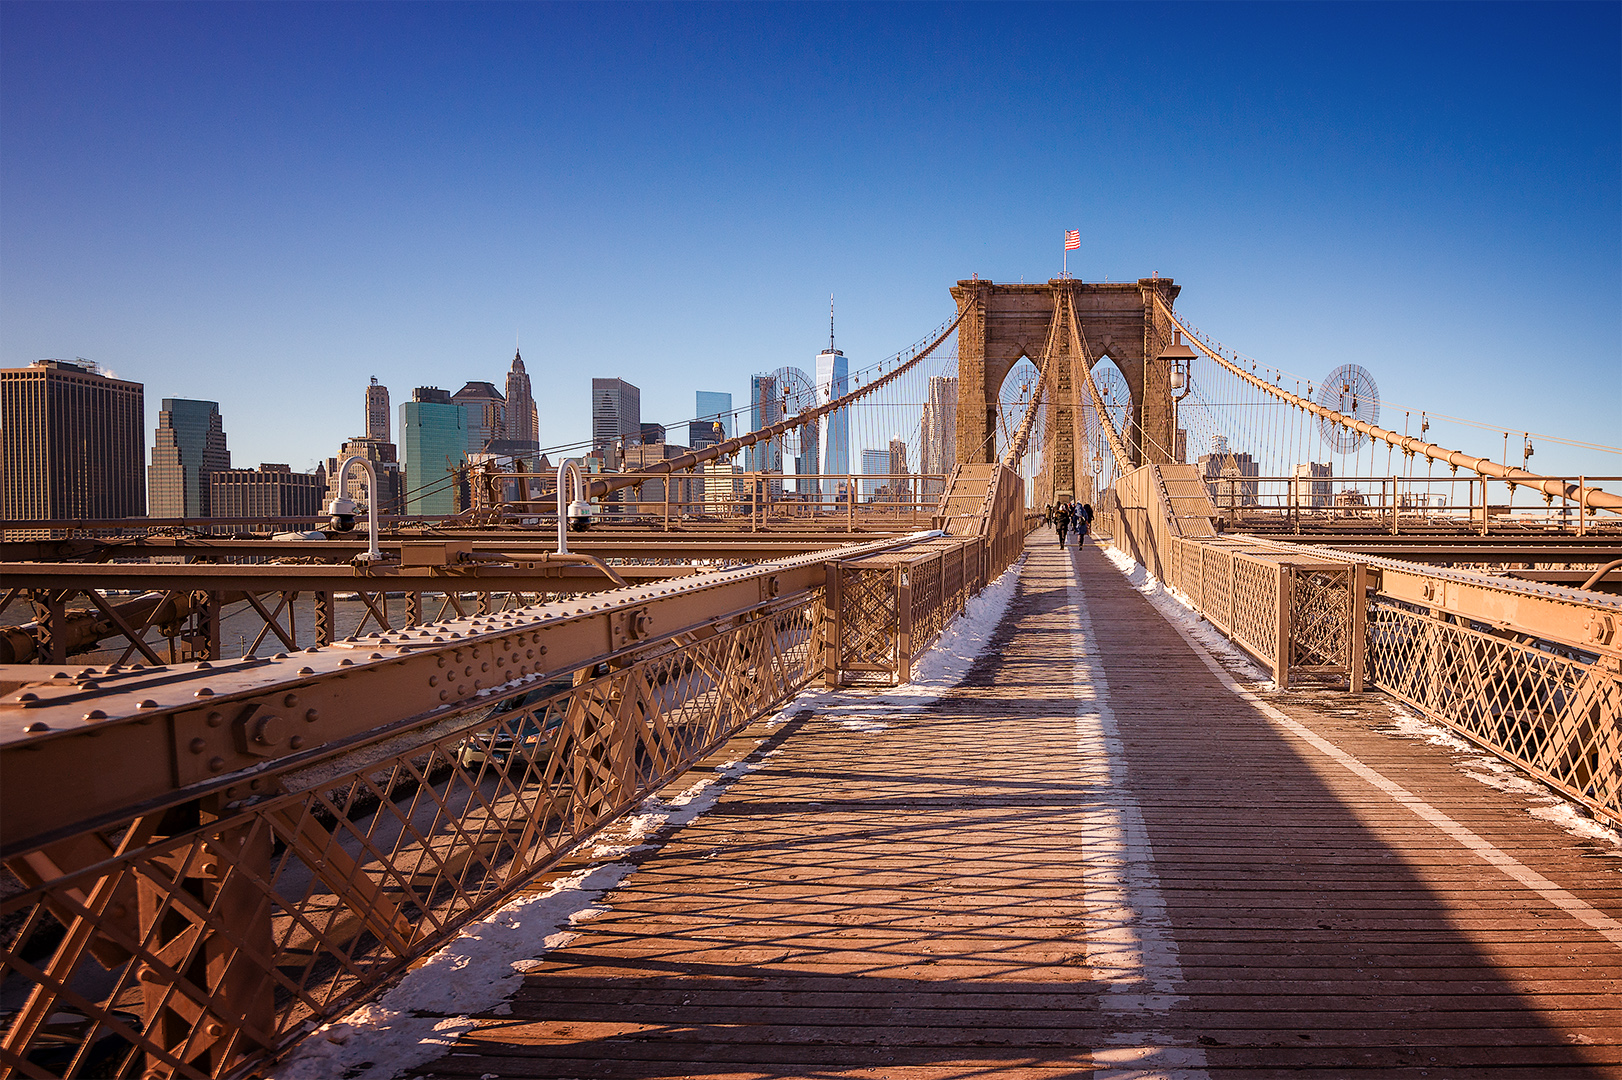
<point x="682" y="545"/>
<point x="86" y="744"/>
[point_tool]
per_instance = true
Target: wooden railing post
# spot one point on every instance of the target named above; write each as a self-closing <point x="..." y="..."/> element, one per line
<point x="832" y="630"/>
<point x="1358" y="646"/>
<point x="1281" y="658"/>
<point x="903" y="625"/>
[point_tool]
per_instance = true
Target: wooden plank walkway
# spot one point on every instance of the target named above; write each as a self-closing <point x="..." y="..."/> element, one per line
<point x="1092" y="858"/>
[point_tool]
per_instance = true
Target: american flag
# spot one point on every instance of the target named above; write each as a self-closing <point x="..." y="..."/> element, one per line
<point x="1072" y="240"/>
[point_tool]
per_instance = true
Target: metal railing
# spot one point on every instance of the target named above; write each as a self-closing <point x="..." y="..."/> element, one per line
<point x="222" y="854"/>
<point x="1530" y="672"/>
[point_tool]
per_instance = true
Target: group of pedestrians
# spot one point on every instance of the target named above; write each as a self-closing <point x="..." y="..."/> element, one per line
<point x="1066" y="516"/>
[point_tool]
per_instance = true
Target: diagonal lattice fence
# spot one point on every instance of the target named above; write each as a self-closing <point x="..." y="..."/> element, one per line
<point x="189" y="941"/>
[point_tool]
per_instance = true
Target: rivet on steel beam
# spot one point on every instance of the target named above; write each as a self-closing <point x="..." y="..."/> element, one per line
<point x="306" y="671"/>
<point x="147" y="703"/>
<point x="289" y="701"/>
<point x="296" y="741"/>
<point x="250" y="659"/>
<point x="461" y="689"/>
<point x="311" y="715"/>
<point x="203" y="691"/>
<point x="27" y="696"/>
<point x="60" y="675"/>
<point x="37" y="726"/>
<point x="95" y="714"/>
<point x="215" y="764"/>
<point x="278" y="656"/>
<point x="313" y="648"/>
<point x="433" y="680"/>
<point x="375" y="656"/>
<point x="198" y="745"/>
<point x="444" y="695"/>
<point x="213" y="719"/>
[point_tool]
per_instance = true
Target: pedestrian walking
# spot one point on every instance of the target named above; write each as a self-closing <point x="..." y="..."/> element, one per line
<point x="1061" y="522"/>
<point x="1084" y="523"/>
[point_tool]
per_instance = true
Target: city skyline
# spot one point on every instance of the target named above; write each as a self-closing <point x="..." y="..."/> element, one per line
<point x="1431" y="193"/>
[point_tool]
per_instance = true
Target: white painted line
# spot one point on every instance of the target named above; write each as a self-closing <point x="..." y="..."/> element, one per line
<point x="1129" y="945"/>
<point x="1607" y="927"/>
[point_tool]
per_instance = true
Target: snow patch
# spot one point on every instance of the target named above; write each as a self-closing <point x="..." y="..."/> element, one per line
<point x="473" y="973"/>
<point x="1574" y="821"/>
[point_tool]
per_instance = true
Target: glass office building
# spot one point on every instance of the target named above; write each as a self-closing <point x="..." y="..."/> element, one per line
<point x="187" y="448"/>
<point x="833" y="451"/>
<point x="765" y="409"/>
<point x="433" y="436"/>
<point x="712" y="408"/>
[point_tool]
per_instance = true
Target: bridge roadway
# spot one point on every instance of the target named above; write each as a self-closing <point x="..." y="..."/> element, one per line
<point x="1094" y="857"/>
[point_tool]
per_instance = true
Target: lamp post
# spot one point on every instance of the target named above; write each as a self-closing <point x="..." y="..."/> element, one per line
<point x="578" y="507"/>
<point x="342" y="507"/>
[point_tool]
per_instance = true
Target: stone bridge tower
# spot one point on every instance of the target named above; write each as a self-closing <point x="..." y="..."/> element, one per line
<point x="1118" y="320"/>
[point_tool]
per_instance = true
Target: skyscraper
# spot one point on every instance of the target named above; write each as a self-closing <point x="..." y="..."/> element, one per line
<point x="72" y="443"/>
<point x="765" y="409"/>
<point x="390" y="482"/>
<point x="487" y="414"/>
<point x="833" y="450"/>
<point x="520" y="406"/>
<point x="875" y="463"/>
<point x="187" y="447"/>
<point x="937" y="451"/>
<point x="899" y="485"/>
<point x="377" y="412"/>
<point x="433" y="434"/>
<point x="713" y="408"/>
<point x="616" y="412"/>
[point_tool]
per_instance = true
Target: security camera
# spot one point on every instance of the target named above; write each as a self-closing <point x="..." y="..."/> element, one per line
<point x="579" y="515"/>
<point x="342" y="513"/>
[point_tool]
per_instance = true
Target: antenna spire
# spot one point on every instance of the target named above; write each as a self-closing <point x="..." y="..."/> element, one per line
<point x="831" y="322"/>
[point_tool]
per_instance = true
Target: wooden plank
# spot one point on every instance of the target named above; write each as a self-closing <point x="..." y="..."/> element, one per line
<point x="921" y="902"/>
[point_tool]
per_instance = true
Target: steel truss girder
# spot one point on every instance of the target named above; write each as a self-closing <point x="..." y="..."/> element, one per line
<point x="74" y="749"/>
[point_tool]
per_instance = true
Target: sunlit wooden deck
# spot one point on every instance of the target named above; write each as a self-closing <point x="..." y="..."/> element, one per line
<point x="1092" y="858"/>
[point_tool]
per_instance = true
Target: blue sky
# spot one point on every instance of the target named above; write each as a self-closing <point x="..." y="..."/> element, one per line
<point x="265" y="205"/>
